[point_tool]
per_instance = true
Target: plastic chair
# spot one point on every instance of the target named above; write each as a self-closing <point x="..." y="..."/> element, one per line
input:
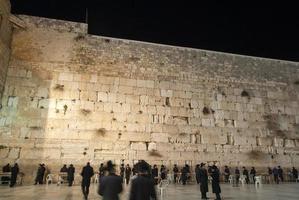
<point x="49" y="179"/>
<point x="258" y="181"/>
<point x="162" y="187"/>
<point x="96" y="178"/>
<point x="231" y="179"/>
<point x="243" y="179"/>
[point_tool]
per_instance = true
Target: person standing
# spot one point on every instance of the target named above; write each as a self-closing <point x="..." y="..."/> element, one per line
<point x="101" y="171"/>
<point x="253" y="174"/>
<point x="245" y="173"/>
<point x="110" y="185"/>
<point x="237" y="174"/>
<point x="87" y="173"/>
<point x="14" y="174"/>
<point x="70" y="174"/>
<point x="175" y="173"/>
<point x="143" y="187"/>
<point x="40" y="174"/>
<point x="184" y="175"/>
<point x="275" y="174"/>
<point x="226" y="173"/>
<point x="270" y="172"/>
<point x="203" y="180"/>
<point x="197" y="169"/>
<point x="280" y="173"/>
<point x="163" y="172"/>
<point x="295" y="173"/>
<point x="122" y="171"/>
<point x="216" y="182"/>
<point x="155" y="174"/>
<point x="128" y="172"/>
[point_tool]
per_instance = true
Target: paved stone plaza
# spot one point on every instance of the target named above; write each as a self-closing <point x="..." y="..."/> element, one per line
<point x="174" y="192"/>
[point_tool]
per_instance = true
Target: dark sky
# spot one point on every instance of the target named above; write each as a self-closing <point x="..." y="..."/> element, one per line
<point x="264" y="30"/>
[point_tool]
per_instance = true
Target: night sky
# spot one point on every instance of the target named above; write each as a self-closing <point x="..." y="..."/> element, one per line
<point x="254" y="29"/>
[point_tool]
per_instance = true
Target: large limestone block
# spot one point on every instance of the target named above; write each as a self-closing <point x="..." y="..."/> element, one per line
<point x="40" y="153"/>
<point x="243" y="140"/>
<point x="139" y="146"/>
<point x="136" y="136"/>
<point x="160" y="137"/>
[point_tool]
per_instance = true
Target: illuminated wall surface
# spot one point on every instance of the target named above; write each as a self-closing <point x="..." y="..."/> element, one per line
<point x="71" y="98"/>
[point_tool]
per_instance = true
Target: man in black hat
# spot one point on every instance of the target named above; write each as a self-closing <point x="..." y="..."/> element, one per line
<point x="216" y="182"/>
<point x="143" y="186"/>
<point x="203" y="180"/>
<point x="110" y="185"/>
<point x="70" y="174"/>
<point x="128" y="172"/>
<point x="87" y="173"/>
<point x="175" y="173"/>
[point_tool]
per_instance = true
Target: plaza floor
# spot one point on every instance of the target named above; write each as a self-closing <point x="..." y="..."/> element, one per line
<point x="174" y="192"/>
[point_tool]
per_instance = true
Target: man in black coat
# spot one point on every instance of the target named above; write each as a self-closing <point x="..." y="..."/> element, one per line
<point x="295" y="173"/>
<point x="87" y="173"/>
<point x="216" y="182"/>
<point x="122" y="171"/>
<point x="203" y="180"/>
<point x="143" y="186"/>
<point x="14" y="175"/>
<point x="280" y="173"/>
<point x="101" y="171"/>
<point x="155" y="174"/>
<point x="175" y="173"/>
<point x="128" y="172"/>
<point x="40" y="174"/>
<point x="226" y="173"/>
<point x="184" y="175"/>
<point x="70" y="174"/>
<point x="253" y="173"/>
<point x="111" y="185"/>
<point x="197" y="169"/>
<point x="245" y="173"/>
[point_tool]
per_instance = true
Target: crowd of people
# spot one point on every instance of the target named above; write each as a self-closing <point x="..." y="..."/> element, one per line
<point x="144" y="177"/>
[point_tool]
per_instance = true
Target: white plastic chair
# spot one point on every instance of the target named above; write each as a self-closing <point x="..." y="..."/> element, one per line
<point x="231" y="179"/>
<point x="96" y="178"/>
<point x="162" y="187"/>
<point x="49" y="179"/>
<point x="243" y="179"/>
<point x="258" y="181"/>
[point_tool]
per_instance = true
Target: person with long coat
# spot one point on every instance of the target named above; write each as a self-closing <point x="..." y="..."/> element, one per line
<point x="245" y="173"/>
<point x="40" y="174"/>
<point x="175" y="173"/>
<point x="216" y="182"/>
<point x="184" y="175"/>
<point x="155" y="174"/>
<point x="87" y="173"/>
<point x="203" y="180"/>
<point x="295" y="173"/>
<point x="197" y="169"/>
<point x="143" y="187"/>
<point x="111" y="185"/>
<point x="122" y="171"/>
<point x="70" y="174"/>
<point x="14" y="175"/>
<point x="128" y="172"/>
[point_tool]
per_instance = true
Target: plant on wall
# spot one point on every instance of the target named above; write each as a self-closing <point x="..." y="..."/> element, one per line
<point x="85" y="111"/>
<point x="59" y="87"/>
<point x="256" y="155"/>
<point x="207" y="111"/>
<point x="155" y="153"/>
<point x="244" y="93"/>
<point x="65" y="109"/>
<point x="101" y="131"/>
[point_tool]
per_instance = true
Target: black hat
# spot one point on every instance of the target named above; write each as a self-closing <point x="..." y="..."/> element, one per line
<point x="202" y="164"/>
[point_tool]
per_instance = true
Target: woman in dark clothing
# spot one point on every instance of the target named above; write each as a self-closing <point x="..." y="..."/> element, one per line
<point x="70" y="174"/>
<point x="216" y="182"/>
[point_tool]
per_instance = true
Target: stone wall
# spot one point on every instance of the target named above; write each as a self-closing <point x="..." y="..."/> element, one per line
<point x="72" y="98"/>
<point x="5" y="40"/>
